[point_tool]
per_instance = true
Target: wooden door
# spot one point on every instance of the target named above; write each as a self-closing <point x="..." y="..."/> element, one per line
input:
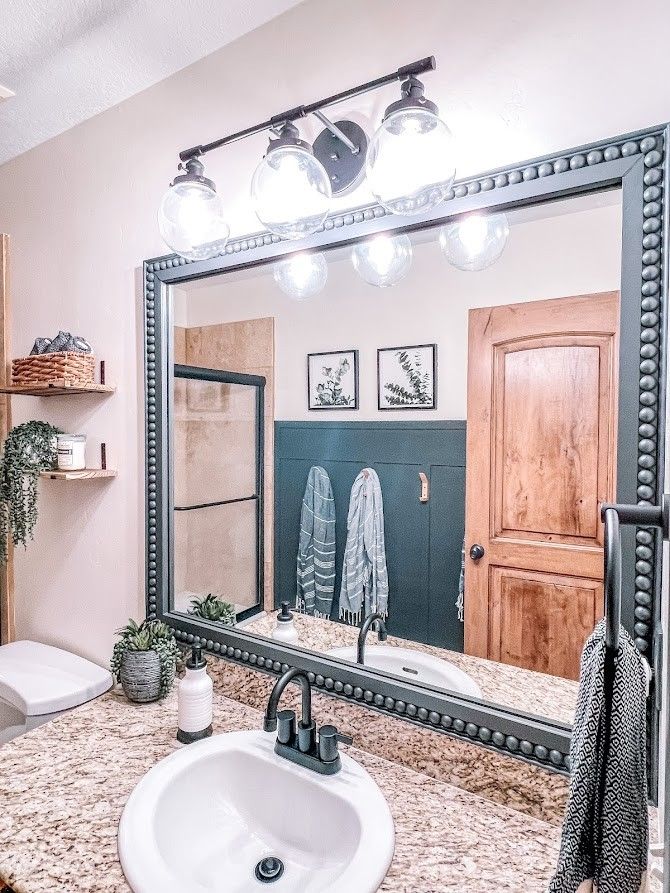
<point x="541" y="456"/>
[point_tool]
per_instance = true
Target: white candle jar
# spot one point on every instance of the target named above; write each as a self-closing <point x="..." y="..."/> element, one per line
<point x="71" y="450"/>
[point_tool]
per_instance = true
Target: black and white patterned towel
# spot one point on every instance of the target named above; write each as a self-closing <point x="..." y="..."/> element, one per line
<point x="605" y="835"/>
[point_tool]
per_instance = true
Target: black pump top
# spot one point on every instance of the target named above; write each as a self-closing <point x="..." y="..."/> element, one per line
<point x="196" y="661"/>
<point x="284" y="616"/>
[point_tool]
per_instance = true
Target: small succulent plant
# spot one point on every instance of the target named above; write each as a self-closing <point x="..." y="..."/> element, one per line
<point x="149" y="635"/>
<point x="210" y="607"/>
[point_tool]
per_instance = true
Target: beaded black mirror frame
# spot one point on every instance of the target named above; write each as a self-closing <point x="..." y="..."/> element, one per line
<point x="636" y="163"/>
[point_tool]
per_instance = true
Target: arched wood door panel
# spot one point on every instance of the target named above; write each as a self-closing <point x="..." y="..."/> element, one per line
<point x="541" y="456"/>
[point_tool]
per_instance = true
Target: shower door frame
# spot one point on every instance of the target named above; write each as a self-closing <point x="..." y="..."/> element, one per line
<point x="220" y="376"/>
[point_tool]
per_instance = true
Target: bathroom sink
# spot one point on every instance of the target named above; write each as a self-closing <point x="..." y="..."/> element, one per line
<point x="415" y="666"/>
<point x="205" y="817"/>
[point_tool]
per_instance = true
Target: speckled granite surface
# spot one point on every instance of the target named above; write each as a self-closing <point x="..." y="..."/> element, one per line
<point x="523" y="690"/>
<point x="63" y="787"/>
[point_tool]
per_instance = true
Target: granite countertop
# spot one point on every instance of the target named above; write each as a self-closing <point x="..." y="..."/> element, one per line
<point x="63" y="787"/>
<point x="523" y="690"/>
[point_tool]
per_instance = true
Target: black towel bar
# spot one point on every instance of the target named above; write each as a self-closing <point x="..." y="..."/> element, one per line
<point x="613" y="515"/>
<point x="612" y="579"/>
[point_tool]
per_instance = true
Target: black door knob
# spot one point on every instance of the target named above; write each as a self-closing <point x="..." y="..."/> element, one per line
<point x="476" y="552"/>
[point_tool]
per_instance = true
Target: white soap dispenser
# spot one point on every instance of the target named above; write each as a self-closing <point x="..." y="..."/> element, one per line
<point x="285" y="629"/>
<point x="195" y="696"/>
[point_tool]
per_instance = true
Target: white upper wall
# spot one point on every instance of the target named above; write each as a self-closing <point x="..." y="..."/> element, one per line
<point x="67" y="60"/>
<point x="544" y="258"/>
<point x="514" y="81"/>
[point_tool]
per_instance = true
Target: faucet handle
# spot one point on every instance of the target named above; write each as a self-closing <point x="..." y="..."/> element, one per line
<point x="328" y="740"/>
<point x="286" y="726"/>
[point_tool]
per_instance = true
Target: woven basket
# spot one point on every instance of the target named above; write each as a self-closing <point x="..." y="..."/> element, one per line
<point x="66" y="368"/>
<point x="141" y="676"/>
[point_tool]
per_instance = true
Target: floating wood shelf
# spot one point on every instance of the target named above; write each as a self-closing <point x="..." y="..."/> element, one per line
<point x="84" y="474"/>
<point x="56" y="389"/>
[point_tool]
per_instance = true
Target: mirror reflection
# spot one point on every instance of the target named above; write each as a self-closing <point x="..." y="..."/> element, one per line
<point x="419" y="426"/>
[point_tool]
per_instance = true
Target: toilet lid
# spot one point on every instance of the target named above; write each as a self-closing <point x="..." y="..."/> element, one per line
<point x="39" y="679"/>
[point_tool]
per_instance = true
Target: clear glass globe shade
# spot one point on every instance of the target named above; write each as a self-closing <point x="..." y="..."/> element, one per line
<point x="474" y="242"/>
<point x="411" y="161"/>
<point x="301" y="276"/>
<point x="191" y="220"/>
<point x="382" y="260"/>
<point x="290" y="192"/>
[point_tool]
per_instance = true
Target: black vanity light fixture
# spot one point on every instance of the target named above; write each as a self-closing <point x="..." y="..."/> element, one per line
<point x="409" y="164"/>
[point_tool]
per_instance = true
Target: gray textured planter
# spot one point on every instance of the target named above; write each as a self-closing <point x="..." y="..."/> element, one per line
<point x="141" y="676"/>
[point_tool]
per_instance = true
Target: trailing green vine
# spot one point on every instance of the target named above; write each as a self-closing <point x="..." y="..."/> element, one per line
<point x="210" y="607"/>
<point x="149" y="635"/>
<point x="29" y="449"/>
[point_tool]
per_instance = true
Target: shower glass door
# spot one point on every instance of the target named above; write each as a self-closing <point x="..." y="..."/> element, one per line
<point x="216" y="530"/>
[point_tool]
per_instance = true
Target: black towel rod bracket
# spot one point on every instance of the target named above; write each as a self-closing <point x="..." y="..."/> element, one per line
<point x="613" y="515"/>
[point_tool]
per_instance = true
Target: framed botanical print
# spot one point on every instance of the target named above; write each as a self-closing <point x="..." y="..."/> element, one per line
<point x="332" y="380"/>
<point x="406" y="377"/>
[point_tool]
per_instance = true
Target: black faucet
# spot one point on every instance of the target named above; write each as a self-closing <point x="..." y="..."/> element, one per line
<point x="365" y="627"/>
<point x="301" y="745"/>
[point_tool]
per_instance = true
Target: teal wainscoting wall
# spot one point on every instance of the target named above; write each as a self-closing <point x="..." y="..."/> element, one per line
<point x="423" y="540"/>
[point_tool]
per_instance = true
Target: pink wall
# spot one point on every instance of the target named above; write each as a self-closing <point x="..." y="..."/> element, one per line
<point x="81" y="212"/>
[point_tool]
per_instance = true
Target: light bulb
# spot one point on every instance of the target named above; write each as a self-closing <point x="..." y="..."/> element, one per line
<point x="191" y="215"/>
<point x="474" y="242"/>
<point x="301" y="276"/>
<point x="290" y="189"/>
<point x="382" y="260"/>
<point x="411" y="158"/>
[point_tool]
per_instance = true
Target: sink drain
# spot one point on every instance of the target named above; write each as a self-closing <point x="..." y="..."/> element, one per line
<point x="269" y="869"/>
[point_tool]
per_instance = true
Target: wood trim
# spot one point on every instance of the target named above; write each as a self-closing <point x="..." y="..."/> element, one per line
<point x="7" y="609"/>
<point x="83" y="474"/>
<point x="476" y="626"/>
<point x="55" y="389"/>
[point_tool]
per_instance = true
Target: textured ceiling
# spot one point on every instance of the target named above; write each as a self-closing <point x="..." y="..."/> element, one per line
<point x="67" y="60"/>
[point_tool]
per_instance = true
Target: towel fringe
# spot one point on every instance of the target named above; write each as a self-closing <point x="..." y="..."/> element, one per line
<point x="354" y="618"/>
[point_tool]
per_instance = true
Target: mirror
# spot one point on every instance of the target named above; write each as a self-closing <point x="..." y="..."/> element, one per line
<point x="430" y="417"/>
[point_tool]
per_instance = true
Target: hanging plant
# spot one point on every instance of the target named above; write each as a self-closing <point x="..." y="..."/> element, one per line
<point x="143" y="660"/>
<point x="29" y="449"/>
<point x="210" y="607"/>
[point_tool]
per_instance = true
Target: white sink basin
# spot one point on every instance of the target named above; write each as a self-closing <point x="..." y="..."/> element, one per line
<point x="414" y="666"/>
<point x="203" y="818"/>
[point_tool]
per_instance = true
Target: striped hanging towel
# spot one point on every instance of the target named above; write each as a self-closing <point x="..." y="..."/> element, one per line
<point x="316" y="549"/>
<point x="605" y="834"/>
<point x="365" y="586"/>
<point x="460" y="599"/>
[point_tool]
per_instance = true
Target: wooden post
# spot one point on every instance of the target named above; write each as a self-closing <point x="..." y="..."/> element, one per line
<point x="7" y="617"/>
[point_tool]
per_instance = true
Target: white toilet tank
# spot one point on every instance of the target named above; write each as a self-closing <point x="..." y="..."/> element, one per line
<point x="38" y="682"/>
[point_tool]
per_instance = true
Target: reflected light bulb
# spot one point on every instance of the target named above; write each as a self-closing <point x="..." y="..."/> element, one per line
<point x="472" y="233"/>
<point x="302" y="276"/>
<point x="474" y="242"/>
<point x="382" y="260"/>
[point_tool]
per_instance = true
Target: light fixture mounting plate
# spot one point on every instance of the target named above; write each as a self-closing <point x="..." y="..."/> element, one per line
<point x="344" y="168"/>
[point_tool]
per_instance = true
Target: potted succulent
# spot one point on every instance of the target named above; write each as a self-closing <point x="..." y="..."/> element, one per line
<point x="29" y="449"/>
<point x="144" y="660"/>
<point x="211" y="607"/>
